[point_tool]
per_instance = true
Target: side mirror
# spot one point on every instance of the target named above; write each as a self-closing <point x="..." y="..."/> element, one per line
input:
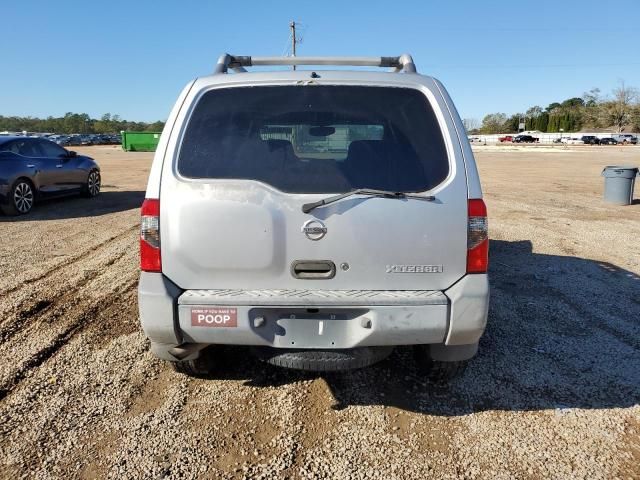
<point x="72" y="154"/>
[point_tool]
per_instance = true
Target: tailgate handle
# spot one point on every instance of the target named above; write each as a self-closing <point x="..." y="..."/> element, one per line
<point x="313" y="269"/>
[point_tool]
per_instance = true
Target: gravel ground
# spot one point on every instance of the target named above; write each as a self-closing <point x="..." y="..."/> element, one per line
<point x="553" y="393"/>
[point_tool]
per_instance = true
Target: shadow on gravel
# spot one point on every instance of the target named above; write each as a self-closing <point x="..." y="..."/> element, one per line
<point x="563" y="332"/>
<point x="77" y="206"/>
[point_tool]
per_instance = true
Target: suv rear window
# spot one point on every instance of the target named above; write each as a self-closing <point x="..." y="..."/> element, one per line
<point x="316" y="139"/>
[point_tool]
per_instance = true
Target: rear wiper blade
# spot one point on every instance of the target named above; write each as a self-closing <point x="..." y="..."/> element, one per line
<point x="307" y="207"/>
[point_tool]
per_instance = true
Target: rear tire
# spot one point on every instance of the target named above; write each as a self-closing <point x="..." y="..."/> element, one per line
<point x="200" y="367"/>
<point x="20" y="199"/>
<point x="323" y="360"/>
<point x="436" y="371"/>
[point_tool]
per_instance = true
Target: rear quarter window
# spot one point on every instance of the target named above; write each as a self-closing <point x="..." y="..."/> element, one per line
<point x="316" y="139"/>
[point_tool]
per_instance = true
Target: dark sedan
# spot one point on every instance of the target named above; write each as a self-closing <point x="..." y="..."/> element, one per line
<point x="524" y="139"/>
<point x="35" y="168"/>
<point x="590" y="140"/>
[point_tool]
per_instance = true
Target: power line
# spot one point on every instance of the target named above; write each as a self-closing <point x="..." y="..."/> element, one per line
<point x="557" y="65"/>
<point x="536" y="29"/>
<point x="285" y="50"/>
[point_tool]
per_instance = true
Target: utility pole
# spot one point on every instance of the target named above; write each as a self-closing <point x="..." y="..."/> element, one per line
<point x="293" y="40"/>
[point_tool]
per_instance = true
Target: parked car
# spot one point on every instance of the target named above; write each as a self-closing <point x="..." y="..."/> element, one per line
<point x="34" y="168"/>
<point x="476" y="140"/>
<point x="63" y="141"/>
<point x="85" y="140"/>
<point x="316" y="251"/>
<point x="96" y="140"/>
<point x="524" y="139"/>
<point x="590" y="140"/>
<point x="506" y="138"/>
<point x="626" y="138"/>
<point x="574" y="141"/>
<point x="608" y="141"/>
<point x="74" y="140"/>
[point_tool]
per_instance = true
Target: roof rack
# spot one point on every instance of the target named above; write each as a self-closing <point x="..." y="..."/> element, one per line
<point x="403" y="63"/>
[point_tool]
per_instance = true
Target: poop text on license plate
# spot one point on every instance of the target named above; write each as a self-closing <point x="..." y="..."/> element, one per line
<point x="214" y="317"/>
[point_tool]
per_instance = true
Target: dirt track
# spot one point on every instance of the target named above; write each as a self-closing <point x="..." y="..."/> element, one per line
<point x="554" y="391"/>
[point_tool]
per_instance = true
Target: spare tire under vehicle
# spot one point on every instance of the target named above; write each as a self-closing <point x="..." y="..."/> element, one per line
<point x="323" y="360"/>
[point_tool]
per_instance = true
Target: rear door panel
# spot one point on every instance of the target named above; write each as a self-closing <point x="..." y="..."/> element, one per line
<point x="60" y="170"/>
<point x="248" y="236"/>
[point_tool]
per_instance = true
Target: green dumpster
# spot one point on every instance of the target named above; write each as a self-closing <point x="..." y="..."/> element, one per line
<point x="140" y="141"/>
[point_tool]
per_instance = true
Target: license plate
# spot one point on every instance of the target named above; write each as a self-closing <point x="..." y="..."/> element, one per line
<point x="214" y="317"/>
<point x="314" y="316"/>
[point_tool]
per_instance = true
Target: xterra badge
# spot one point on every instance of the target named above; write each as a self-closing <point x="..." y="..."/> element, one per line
<point x="414" y="268"/>
<point x="314" y="229"/>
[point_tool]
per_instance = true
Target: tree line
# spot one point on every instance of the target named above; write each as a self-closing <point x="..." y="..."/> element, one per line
<point x="618" y="111"/>
<point x="76" y="123"/>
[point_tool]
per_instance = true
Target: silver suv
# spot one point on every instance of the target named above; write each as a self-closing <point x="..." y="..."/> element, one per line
<point x="319" y="218"/>
<point x="625" y="138"/>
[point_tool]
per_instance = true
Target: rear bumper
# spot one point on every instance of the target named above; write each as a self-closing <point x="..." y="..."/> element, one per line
<point x="312" y="319"/>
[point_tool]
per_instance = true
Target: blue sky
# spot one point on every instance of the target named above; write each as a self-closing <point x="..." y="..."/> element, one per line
<point x="133" y="57"/>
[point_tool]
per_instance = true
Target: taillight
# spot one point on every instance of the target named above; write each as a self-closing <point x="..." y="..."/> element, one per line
<point x="477" y="238"/>
<point x="150" y="236"/>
